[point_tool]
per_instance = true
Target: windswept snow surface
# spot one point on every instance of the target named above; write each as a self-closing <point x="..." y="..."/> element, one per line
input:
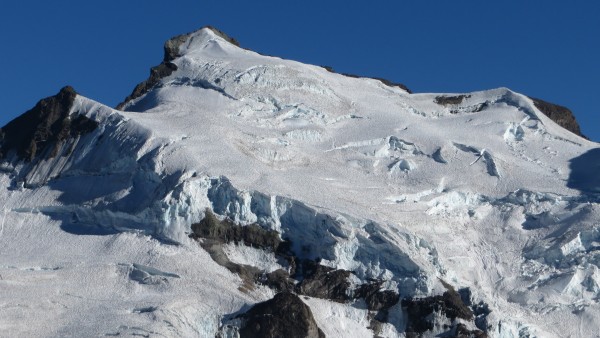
<point x="366" y="177"/>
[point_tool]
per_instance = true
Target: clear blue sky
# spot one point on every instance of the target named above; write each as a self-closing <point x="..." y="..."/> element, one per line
<point x="545" y="49"/>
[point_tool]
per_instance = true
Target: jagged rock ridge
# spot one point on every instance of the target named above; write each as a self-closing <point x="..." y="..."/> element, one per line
<point x="384" y="81"/>
<point x="559" y="114"/>
<point x="44" y="127"/>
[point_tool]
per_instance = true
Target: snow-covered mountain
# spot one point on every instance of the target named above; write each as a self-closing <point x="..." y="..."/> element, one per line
<point x="236" y="194"/>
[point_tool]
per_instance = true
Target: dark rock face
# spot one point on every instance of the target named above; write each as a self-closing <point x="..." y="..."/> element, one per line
<point x="171" y="47"/>
<point x="461" y="331"/>
<point x="480" y="310"/>
<point x="378" y="303"/>
<point x="450" y="100"/>
<point x="420" y="314"/>
<point x="44" y="127"/>
<point x="166" y="67"/>
<point x="390" y="83"/>
<point x="384" y="81"/>
<point x="226" y="231"/>
<point x="156" y="74"/>
<point x="283" y="316"/>
<point x="376" y="298"/>
<point x="248" y="274"/>
<point x="316" y="280"/>
<point x="278" y="280"/>
<point x="324" y="282"/>
<point x="559" y="114"/>
<point x="214" y="233"/>
<point x="454" y="102"/>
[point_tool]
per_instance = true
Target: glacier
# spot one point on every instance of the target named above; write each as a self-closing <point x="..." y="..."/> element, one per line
<point x="425" y="193"/>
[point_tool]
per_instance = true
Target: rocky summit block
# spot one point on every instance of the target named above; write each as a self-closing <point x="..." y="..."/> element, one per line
<point x="44" y="127"/>
<point x="283" y="316"/>
<point x="559" y="114"/>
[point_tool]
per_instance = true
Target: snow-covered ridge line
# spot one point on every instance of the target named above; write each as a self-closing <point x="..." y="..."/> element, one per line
<point x="187" y="45"/>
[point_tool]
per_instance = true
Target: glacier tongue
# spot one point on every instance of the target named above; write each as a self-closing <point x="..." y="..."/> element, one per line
<point x="414" y="194"/>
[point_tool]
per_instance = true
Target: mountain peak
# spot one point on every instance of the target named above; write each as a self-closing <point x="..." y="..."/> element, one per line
<point x="67" y="91"/>
<point x="440" y="214"/>
<point x="173" y="45"/>
<point x="222" y="35"/>
<point x="176" y="47"/>
<point x="43" y="127"/>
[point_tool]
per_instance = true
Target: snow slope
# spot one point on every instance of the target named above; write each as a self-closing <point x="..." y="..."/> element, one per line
<point x="485" y="193"/>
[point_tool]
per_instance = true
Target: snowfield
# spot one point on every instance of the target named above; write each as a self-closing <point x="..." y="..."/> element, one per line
<point x="481" y="191"/>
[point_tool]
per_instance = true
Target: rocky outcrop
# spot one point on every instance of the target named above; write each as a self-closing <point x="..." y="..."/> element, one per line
<point x="315" y="280"/>
<point x="559" y="114"/>
<point x="156" y="74"/>
<point x="376" y="298"/>
<point x="283" y="316"/>
<point x="453" y="104"/>
<point x="450" y="100"/>
<point x="225" y="231"/>
<point x="42" y="129"/>
<point x="164" y="69"/>
<point x="213" y="233"/>
<point x="461" y="331"/>
<point x="278" y="280"/>
<point x="324" y="282"/>
<point x="384" y="81"/>
<point x="424" y="315"/>
<point x="308" y="277"/>
<point x="378" y="303"/>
